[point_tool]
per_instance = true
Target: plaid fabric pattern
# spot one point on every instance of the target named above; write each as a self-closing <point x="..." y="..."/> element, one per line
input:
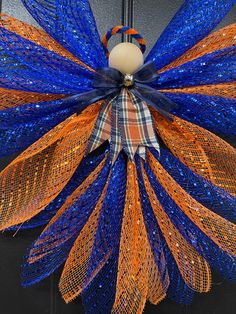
<point x="102" y="128"/>
<point x="116" y="142"/>
<point x="135" y="125"/>
<point x="127" y="123"/>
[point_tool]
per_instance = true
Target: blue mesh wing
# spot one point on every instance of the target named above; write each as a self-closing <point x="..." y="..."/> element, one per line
<point x="213" y="68"/>
<point x="73" y="220"/>
<point x="85" y="168"/>
<point x="72" y="24"/>
<point x="219" y="260"/>
<point x="27" y="66"/>
<point x="193" y="21"/>
<point x="216" y="114"/>
<point x="99" y="294"/>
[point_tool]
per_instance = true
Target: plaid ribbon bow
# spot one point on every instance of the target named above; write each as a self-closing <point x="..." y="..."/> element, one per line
<point x="108" y="82"/>
<point x="126" y="122"/>
<point x="125" y="119"/>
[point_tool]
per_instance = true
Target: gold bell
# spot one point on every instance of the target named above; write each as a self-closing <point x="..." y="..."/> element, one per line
<point x="128" y="80"/>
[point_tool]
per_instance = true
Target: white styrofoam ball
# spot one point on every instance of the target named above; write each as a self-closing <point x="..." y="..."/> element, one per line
<point x="126" y="57"/>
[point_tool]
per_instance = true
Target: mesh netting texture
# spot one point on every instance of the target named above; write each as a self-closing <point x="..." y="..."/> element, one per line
<point x="127" y="227"/>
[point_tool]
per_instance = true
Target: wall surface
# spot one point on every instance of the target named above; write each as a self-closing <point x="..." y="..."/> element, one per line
<point x="151" y="17"/>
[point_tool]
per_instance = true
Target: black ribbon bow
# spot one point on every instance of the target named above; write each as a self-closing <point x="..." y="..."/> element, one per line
<point x="108" y="82"/>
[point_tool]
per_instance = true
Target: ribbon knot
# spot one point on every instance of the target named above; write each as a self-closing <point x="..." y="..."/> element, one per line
<point x="108" y="83"/>
<point x="128" y="80"/>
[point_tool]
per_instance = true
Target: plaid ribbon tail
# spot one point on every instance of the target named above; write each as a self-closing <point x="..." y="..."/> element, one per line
<point x="135" y="125"/>
<point x="141" y="151"/>
<point x="127" y="123"/>
<point x="102" y="128"/>
<point x="116" y="144"/>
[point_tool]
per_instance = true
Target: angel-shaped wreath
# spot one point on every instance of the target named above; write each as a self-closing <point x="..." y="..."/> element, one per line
<point x="119" y="159"/>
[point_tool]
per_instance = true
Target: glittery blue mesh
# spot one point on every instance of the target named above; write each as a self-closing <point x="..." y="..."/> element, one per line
<point x="209" y="195"/>
<point x="65" y="230"/>
<point x="72" y="24"/>
<point x="217" y="114"/>
<point x="151" y="224"/>
<point x="87" y="165"/>
<point x="193" y="21"/>
<point x="23" y="125"/>
<point x="177" y="291"/>
<point x="27" y="66"/>
<point x="213" y="68"/>
<point x="99" y="295"/>
<point x="220" y="261"/>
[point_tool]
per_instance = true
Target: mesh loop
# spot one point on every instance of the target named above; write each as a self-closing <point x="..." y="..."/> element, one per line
<point x="123" y="30"/>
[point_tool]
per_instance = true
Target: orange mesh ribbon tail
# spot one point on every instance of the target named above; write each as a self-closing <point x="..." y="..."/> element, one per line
<point x="76" y="267"/>
<point x="12" y="98"/>
<point x="47" y="244"/>
<point x="227" y="90"/>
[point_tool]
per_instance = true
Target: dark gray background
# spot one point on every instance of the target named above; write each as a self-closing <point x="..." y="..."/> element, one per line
<point x="151" y="17"/>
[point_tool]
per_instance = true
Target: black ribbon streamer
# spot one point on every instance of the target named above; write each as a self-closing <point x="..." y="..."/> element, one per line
<point x="108" y="82"/>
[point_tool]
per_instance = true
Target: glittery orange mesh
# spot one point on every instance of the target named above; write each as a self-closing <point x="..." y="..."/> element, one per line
<point x="227" y="90"/>
<point x="221" y="39"/>
<point x="75" y="269"/>
<point x="136" y="266"/>
<point x="36" y="35"/>
<point x="193" y="268"/>
<point x="201" y="150"/>
<point x="10" y="98"/>
<point x="38" y="175"/>
<point x="218" y="229"/>
<point x="38" y="251"/>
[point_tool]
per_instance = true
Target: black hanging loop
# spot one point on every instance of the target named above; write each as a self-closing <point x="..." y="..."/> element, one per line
<point x="127" y="18"/>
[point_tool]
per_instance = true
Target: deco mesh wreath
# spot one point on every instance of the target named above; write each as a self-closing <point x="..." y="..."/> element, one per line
<point x="137" y="191"/>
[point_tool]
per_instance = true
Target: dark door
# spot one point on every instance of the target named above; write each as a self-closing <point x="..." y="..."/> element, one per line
<point x="150" y="18"/>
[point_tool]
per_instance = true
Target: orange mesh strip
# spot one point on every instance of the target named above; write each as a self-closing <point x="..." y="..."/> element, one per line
<point x="135" y="258"/>
<point x="227" y="90"/>
<point x="38" y="36"/>
<point x="50" y="245"/>
<point x="221" y="231"/>
<point x="10" y="98"/>
<point x="75" y="269"/>
<point x="132" y="280"/>
<point x="221" y="39"/>
<point x="38" y="175"/>
<point x="193" y="268"/>
<point x="201" y="150"/>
